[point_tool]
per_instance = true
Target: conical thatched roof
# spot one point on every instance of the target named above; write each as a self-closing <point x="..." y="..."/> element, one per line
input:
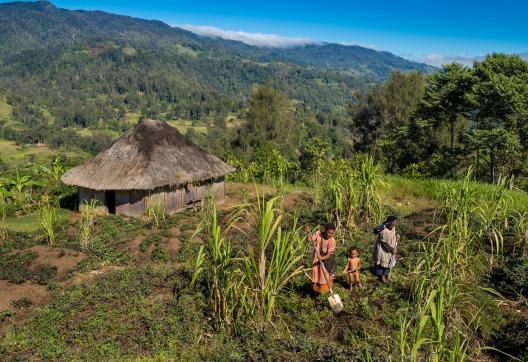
<point x="150" y="155"/>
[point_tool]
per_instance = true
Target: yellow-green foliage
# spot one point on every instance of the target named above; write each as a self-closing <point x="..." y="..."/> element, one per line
<point x="88" y="212"/>
<point x="183" y="126"/>
<point x="129" y="51"/>
<point x="5" y="110"/>
<point x="47" y="217"/>
<point x="18" y="155"/>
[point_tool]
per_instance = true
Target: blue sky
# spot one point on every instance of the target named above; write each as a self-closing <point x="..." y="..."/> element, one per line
<point x="414" y="29"/>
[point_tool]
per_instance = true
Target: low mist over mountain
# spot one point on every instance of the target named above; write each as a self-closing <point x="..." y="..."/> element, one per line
<point x="360" y="60"/>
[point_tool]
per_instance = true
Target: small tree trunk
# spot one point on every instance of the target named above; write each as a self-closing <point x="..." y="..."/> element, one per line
<point x="492" y="165"/>
<point x="452" y="145"/>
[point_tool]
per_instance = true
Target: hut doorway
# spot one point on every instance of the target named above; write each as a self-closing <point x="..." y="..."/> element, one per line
<point x="110" y="200"/>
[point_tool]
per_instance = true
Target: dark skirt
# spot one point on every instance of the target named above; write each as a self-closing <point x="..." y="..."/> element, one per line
<point x="381" y="271"/>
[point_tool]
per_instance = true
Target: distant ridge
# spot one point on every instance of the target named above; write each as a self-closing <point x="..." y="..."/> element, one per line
<point x="29" y="25"/>
<point x="355" y="58"/>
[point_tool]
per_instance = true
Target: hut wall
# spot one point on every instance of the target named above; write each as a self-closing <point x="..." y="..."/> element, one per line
<point x="122" y="202"/>
<point x="175" y="200"/>
<point x="219" y="190"/>
<point x="170" y="199"/>
<point x="138" y="203"/>
<point x="87" y="195"/>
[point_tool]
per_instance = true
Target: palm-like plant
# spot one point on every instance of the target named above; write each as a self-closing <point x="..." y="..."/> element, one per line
<point x="88" y="210"/>
<point x="47" y="216"/>
<point x="368" y="182"/>
<point x="216" y="260"/>
<point x="56" y="171"/>
<point x="273" y="261"/>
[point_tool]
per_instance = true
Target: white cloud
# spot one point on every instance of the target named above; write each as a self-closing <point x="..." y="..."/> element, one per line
<point x="437" y="60"/>
<point x="256" y="39"/>
<point x="369" y="46"/>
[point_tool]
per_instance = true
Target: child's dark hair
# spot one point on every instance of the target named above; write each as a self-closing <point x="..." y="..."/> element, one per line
<point x="354" y="248"/>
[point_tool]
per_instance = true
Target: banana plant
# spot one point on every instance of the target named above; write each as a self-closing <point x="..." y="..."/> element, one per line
<point x="56" y="171"/>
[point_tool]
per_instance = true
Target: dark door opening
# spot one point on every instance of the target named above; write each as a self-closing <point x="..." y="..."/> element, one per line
<point x="110" y="201"/>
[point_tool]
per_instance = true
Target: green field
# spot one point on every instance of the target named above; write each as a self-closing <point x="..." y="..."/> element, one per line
<point x="14" y="154"/>
<point x="6" y="112"/>
<point x="184" y="125"/>
<point x="132" y="118"/>
<point x="88" y="132"/>
<point x="19" y="155"/>
<point x="29" y="223"/>
<point x="134" y="273"/>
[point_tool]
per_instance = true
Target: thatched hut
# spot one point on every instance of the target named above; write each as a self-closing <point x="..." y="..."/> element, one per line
<point x="152" y="165"/>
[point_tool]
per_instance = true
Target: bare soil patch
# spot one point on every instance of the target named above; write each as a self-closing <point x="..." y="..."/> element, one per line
<point x="9" y="292"/>
<point x="422" y="222"/>
<point x="175" y="231"/>
<point x="62" y="259"/>
<point x="134" y="247"/>
<point x="172" y="245"/>
<point x="234" y="194"/>
<point x="88" y="277"/>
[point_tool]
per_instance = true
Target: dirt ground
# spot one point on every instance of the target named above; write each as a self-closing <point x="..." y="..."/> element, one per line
<point x="88" y="277"/>
<point x="64" y="260"/>
<point x="9" y="292"/>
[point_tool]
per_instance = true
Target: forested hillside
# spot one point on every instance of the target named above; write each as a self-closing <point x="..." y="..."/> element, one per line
<point x="89" y="69"/>
<point x="366" y="63"/>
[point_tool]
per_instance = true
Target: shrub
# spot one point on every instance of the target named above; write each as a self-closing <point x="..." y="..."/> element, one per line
<point x="159" y="254"/>
<point x="23" y="302"/>
<point x="15" y="267"/>
<point x="513" y="339"/>
<point x="511" y="276"/>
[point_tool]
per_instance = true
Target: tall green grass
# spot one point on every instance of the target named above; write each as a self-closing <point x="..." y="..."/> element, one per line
<point x="354" y="192"/>
<point x="47" y="217"/>
<point x="272" y="260"/>
<point x="88" y="212"/>
<point x="446" y="322"/>
<point x="246" y="286"/>
<point x="3" y="213"/>
<point x="216" y="261"/>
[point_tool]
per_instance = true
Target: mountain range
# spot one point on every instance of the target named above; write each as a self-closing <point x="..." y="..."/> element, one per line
<point x="79" y="66"/>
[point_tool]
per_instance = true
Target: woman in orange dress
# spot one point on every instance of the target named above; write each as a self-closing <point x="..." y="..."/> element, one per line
<point x="323" y="259"/>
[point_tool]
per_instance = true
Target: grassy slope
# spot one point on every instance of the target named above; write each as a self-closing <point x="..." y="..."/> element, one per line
<point x="18" y="156"/>
<point x="427" y="188"/>
<point x="184" y="125"/>
<point x="30" y="223"/>
<point x="148" y="310"/>
<point x="11" y="153"/>
<point x="6" y="112"/>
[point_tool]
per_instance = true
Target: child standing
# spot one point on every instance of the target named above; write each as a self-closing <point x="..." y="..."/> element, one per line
<point x="352" y="268"/>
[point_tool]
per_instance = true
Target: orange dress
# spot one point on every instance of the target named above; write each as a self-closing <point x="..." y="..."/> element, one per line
<point x="319" y="284"/>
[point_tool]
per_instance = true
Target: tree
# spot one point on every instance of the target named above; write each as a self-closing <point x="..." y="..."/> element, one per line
<point x="495" y="150"/>
<point x="446" y="101"/>
<point x="386" y="107"/>
<point x="500" y="101"/>
<point x="314" y="153"/>
<point x="269" y="119"/>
